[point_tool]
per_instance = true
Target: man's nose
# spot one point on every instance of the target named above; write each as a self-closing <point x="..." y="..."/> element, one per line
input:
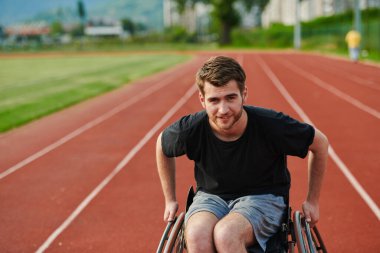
<point x="223" y="108"/>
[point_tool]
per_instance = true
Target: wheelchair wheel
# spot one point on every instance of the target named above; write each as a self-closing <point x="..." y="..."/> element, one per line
<point x="303" y="236"/>
<point x="317" y="239"/>
<point x="173" y="239"/>
<point x="308" y="240"/>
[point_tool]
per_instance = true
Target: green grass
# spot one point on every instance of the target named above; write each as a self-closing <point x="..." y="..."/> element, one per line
<point x="32" y="87"/>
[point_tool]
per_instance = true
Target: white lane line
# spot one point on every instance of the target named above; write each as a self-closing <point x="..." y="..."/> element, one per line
<point x="117" y="169"/>
<point x="352" y="77"/>
<point x="358" y="80"/>
<point x="364" y="82"/>
<point x="88" y="126"/>
<point x="344" y="169"/>
<point x="332" y="89"/>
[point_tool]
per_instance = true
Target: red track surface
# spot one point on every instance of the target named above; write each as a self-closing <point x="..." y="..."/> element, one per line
<point x="126" y="214"/>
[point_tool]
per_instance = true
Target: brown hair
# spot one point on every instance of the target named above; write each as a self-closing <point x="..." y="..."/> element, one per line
<point x="218" y="71"/>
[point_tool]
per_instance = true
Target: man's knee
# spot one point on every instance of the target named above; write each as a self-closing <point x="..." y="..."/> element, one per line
<point x="198" y="241"/>
<point x="199" y="233"/>
<point x="231" y="234"/>
<point x="225" y="237"/>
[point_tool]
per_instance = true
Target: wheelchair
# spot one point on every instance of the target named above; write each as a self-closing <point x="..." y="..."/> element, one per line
<point x="294" y="232"/>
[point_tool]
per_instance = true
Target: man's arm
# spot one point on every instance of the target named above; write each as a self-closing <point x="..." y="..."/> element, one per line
<point x="317" y="166"/>
<point x="166" y="171"/>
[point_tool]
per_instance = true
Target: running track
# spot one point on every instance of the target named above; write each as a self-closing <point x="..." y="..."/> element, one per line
<point x="84" y="179"/>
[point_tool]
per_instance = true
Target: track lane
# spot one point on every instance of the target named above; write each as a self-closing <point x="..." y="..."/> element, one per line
<point x="352" y="228"/>
<point x="82" y="117"/>
<point x="342" y="166"/>
<point x="366" y="71"/>
<point x="344" y="82"/>
<point x="350" y="75"/>
<point x="357" y="221"/>
<point x="127" y="215"/>
<point x="57" y="182"/>
<point x="345" y="126"/>
<point x="117" y="169"/>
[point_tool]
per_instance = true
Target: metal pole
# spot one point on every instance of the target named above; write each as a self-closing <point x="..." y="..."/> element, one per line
<point x="357" y="17"/>
<point x="297" y="26"/>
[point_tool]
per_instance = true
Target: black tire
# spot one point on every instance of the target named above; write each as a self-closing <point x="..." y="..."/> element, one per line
<point x="317" y="238"/>
<point x="304" y="239"/>
<point x="176" y="239"/>
<point x="165" y="236"/>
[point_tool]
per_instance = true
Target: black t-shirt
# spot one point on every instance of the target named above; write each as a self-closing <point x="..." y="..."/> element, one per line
<point x="253" y="164"/>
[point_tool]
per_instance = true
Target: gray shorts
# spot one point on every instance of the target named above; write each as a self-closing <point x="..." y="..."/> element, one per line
<point x="264" y="212"/>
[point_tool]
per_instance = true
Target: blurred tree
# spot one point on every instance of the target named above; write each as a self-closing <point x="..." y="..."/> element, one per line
<point x="2" y="33"/>
<point x="140" y="27"/>
<point x="224" y="13"/>
<point x="261" y="4"/>
<point x="129" y="25"/>
<point x="132" y="27"/>
<point x="179" y="34"/>
<point x="81" y="11"/>
<point x="82" y="16"/>
<point x="56" y="28"/>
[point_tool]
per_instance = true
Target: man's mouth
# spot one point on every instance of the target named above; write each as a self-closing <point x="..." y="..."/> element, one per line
<point x="224" y="118"/>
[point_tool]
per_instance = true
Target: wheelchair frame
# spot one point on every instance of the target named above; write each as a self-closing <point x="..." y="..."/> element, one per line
<point x="294" y="231"/>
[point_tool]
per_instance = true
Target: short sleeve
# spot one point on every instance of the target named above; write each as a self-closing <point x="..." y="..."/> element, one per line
<point x="295" y="136"/>
<point x="172" y="141"/>
<point x="287" y="135"/>
<point x="175" y="137"/>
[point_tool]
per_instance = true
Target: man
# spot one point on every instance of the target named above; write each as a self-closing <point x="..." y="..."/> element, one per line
<point x="240" y="154"/>
<point x="353" y="39"/>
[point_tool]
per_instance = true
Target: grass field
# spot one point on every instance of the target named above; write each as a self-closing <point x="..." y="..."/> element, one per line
<point x="31" y="87"/>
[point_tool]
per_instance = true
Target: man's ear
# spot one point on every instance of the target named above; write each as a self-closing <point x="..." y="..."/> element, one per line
<point x="202" y="99"/>
<point x="245" y="94"/>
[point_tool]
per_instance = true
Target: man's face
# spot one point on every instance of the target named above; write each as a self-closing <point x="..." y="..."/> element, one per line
<point x="224" y="105"/>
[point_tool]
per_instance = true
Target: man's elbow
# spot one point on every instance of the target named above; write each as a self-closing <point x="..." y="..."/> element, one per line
<point x="324" y="142"/>
<point x="320" y="144"/>
<point x="158" y="142"/>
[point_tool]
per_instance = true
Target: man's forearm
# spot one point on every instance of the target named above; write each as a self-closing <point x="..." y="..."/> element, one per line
<point x="317" y="166"/>
<point x="166" y="172"/>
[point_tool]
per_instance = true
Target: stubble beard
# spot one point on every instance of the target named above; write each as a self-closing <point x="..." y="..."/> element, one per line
<point x="228" y="127"/>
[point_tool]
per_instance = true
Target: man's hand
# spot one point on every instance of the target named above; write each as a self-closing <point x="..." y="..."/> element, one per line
<point x="170" y="211"/>
<point x="311" y="212"/>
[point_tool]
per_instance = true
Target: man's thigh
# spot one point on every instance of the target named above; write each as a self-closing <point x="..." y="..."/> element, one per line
<point x="236" y="225"/>
<point x="205" y="202"/>
<point x="201" y="222"/>
<point x="264" y="213"/>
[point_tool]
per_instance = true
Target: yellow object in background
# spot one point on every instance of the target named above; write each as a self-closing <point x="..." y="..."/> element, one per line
<point x="353" y="39"/>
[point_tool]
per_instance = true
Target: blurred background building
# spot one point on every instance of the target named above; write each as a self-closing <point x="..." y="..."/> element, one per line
<point x="276" y="11"/>
<point x="282" y="11"/>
